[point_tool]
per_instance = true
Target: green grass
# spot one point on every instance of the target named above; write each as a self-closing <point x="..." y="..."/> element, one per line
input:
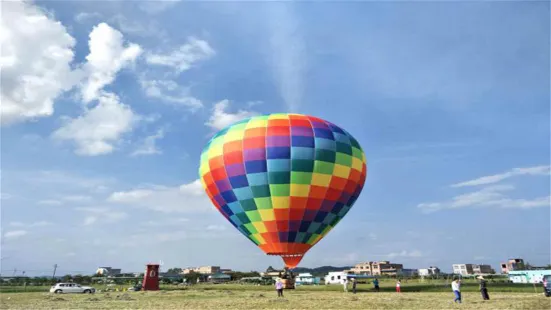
<point x="386" y="286"/>
<point x="249" y="297"/>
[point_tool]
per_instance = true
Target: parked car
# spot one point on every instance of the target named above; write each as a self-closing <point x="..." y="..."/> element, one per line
<point x="547" y="285"/>
<point x="66" y="288"/>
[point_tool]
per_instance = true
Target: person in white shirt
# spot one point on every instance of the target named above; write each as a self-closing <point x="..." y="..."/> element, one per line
<point x="345" y="284"/>
<point x="456" y="288"/>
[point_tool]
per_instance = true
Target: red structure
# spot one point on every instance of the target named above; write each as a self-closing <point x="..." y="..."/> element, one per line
<point x="151" y="278"/>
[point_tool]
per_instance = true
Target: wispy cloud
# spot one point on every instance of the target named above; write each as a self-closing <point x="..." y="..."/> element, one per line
<point x="414" y="253"/>
<point x="537" y="170"/>
<point x="14" y="234"/>
<point x="169" y="91"/>
<point x="490" y="196"/>
<point x="216" y="227"/>
<point x="101" y="215"/>
<point x="287" y="53"/>
<point x="149" y="146"/>
<point x="156" y="7"/>
<point x="165" y="198"/>
<point x="86" y="16"/>
<point x="183" y="57"/>
<point x="34" y="224"/>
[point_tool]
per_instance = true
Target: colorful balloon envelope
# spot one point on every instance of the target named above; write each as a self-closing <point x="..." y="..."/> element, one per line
<point x="283" y="180"/>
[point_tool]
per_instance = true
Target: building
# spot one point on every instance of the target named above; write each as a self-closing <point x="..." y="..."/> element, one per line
<point x="463" y="269"/>
<point x="385" y="268"/>
<point x="408" y="272"/>
<point x="307" y="279"/>
<point x="377" y="268"/>
<point x="202" y="270"/>
<point x="528" y="276"/>
<point x="107" y="271"/>
<point x="483" y="269"/>
<point x="512" y="264"/>
<point x="219" y="278"/>
<point x="431" y="271"/>
<point x="362" y="268"/>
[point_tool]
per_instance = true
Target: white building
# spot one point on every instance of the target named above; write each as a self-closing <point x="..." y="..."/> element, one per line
<point x="336" y="277"/>
<point x="108" y="271"/>
<point x="463" y="269"/>
<point x="431" y="271"/>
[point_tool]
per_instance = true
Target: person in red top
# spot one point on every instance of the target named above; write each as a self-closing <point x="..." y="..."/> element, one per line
<point x="398" y="283"/>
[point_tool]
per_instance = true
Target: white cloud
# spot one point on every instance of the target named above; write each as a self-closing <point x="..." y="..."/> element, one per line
<point x="98" y="130"/>
<point x="183" y="58"/>
<point x="220" y="118"/>
<point x="286" y="53"/>
<point x="414" y="253"/>
<point x="149" y="146"/>
<point x="186" y="198"/>
<point x="108" y="55"/>
<point x="168" y="90"/>
<point x="14" y="234"/>
<point x="537" y="170"/>
<point x="491" y="196"/>
<point x="37" y="52"/>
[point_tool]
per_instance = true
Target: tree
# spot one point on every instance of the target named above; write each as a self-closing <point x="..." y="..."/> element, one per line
<point x="174" y="271"/>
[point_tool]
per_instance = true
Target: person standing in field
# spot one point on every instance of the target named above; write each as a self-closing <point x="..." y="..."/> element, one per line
<point x="279" y="288"/>
<point x="354" y="285"/>
<point x="398" y="284"/>
<point x="345" y="284"/>
<point x="376" y="284"/>
<point x="483" y="289"/>
<point x="456" y="288"/>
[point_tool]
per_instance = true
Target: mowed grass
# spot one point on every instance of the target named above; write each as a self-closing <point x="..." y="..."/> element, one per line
<point x="249" y="297"/>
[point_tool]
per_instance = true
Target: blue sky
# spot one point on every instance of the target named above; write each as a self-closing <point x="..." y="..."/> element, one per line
<point x="107" y="106"/>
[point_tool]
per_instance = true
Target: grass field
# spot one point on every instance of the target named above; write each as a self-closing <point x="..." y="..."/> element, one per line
<point x="257" y="297"/>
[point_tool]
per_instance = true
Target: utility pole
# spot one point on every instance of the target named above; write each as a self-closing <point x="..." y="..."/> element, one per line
<point x="55" y="268"/>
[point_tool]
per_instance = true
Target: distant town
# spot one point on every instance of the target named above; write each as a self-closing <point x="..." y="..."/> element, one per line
<point x="514" y="270"/>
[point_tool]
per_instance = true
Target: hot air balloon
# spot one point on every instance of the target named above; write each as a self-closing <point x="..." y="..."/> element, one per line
<point x="283" y="180"/>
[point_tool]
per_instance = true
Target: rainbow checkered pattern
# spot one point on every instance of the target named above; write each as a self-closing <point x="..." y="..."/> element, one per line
<point x="283" y="180"/>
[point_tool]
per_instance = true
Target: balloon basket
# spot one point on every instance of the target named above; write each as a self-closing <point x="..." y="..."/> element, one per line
<point x="288" y="284"/>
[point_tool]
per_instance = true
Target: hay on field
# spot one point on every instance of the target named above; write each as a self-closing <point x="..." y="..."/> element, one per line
<point x="125" y="296"/>
<point x="93" y="299"/>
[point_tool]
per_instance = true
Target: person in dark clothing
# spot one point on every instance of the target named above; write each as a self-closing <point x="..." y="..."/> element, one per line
<point x="376" y="284"/>
<point x="483" y="288"/>
<point x="354" y="282"/>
